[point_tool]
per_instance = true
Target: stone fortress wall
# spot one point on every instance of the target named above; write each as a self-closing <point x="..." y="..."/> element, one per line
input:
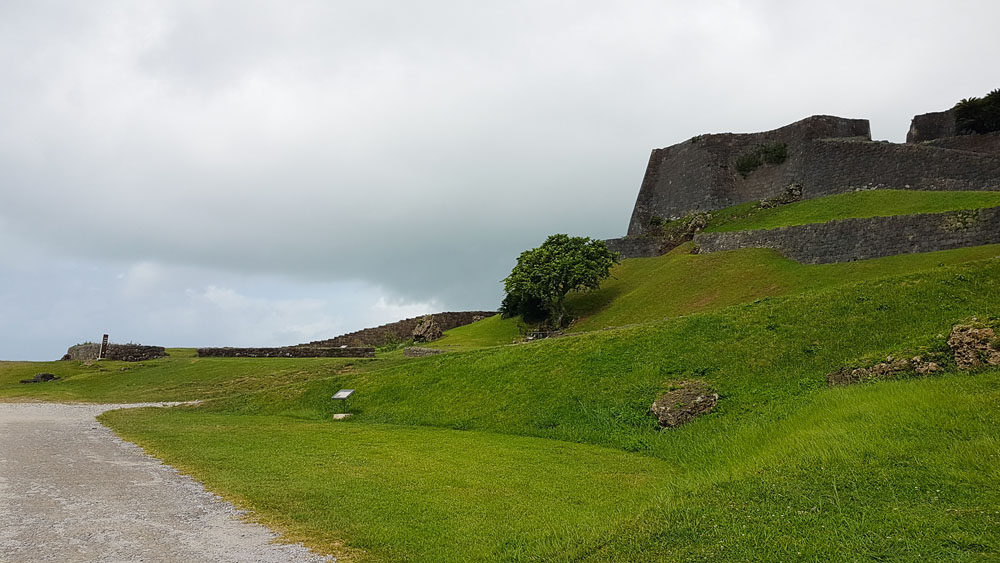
<point x="825" y="155"/>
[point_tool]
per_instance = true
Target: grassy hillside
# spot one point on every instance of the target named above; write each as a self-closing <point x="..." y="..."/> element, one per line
<point x="492" y="331"/>
<point x="872" y="203"/>
<point x="473" y="454"/>
<point x="680" y="283"/>
<point x="899" y="471"/>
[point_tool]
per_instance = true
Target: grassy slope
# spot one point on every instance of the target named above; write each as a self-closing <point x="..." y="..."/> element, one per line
<point x="492" y="331"/>
<point x="178" y="377"/>
<point x="680" y="283"/>
<point x="874" y="203"/>
<point x="896" y="471"/>
<point x="783" y="466"/>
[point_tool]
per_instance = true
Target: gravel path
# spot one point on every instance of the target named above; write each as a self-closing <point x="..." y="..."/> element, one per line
<point x="70" y="490"/>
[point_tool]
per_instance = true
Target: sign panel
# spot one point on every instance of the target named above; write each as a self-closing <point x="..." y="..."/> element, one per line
<point x="343" y="394"/>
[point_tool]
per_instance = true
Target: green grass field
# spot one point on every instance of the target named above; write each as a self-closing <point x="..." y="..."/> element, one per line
<point x="545" y="451"/>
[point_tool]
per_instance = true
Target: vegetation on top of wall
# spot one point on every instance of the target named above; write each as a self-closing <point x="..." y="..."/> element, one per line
<point x="765" y="153"/>
<point x="978" y="115"/>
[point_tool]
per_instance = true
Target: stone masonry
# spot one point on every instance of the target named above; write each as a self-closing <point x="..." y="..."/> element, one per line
<point x="826" y="155"/>
<point x="400" y="331"/>
<point x="860" y="239"/>
<point x="116" y="352"/>
<point x="287" y="352"/>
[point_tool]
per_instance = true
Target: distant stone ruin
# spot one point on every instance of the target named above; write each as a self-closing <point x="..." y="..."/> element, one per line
<point x="288" y="352"/>
<point x="401" y="331"/>
<point x="91" y="351"/>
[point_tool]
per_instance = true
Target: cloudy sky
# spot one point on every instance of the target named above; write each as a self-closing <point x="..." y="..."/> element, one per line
<point x="263" y="173"/>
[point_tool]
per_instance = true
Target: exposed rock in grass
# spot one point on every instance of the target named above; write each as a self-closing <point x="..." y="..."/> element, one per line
<point x="427" y="330"/>
<point x="891" y="368"/>
<point x="687" y="401"/>
<point x="41" y="378"/>
<point x="418" y="352"/>
<point x="791" y="194"/>
<point x="974" y="345"/>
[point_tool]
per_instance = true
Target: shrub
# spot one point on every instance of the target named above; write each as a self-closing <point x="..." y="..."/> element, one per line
<point x="978" y="115"/>
<point x="765" y="153"/>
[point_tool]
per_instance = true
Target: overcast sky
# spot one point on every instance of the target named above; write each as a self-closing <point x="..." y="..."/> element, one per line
<point x="266" y="173"/>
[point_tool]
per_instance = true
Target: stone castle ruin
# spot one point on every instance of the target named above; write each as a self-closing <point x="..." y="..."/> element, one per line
<point x="817" y="156"/>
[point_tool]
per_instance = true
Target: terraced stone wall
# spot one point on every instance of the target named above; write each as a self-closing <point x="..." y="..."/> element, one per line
<point x="860" y="239"/>
<point x="988" y="143"/>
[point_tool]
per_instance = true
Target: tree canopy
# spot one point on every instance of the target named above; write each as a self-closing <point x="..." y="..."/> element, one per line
<point x="537" y="286"/>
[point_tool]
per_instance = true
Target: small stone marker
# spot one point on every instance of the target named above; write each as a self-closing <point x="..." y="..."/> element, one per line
<point x="342" y="416"/>
<point x="104" y="348"/>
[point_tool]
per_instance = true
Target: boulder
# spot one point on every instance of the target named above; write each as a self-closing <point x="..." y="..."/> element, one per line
<point x="686" y="401"/>
<point x="427" y="330"/>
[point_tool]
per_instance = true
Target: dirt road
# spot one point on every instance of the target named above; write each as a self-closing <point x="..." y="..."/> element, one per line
<point x="70" y="490"/>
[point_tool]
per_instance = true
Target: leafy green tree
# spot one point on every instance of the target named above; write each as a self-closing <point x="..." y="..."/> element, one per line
<point x="544" y="276"/>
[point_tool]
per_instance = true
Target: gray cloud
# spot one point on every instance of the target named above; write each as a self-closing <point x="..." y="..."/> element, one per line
<point x="409" y="149"/>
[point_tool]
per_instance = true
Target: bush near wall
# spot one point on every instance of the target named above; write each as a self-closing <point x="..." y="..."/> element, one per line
<point x="978" y="115"/>
<point x="764" y="153"/>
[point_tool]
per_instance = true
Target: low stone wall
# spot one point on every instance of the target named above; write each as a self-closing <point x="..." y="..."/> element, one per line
<point x="116" y="352"/>
<point x="287" y="352"/>
<point x="400" y="331"/>
<point x="860" y="239"/>
<point x="417" y="352"/>
<point x="636" y="247"/>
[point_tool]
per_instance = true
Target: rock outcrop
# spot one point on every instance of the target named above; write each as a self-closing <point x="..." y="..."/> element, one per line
<point x="427" y="330"/>
<point x="689" y="399"/>
<point x="974" y="345"/>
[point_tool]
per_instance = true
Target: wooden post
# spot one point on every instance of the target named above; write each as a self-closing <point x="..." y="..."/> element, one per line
<point x="104" y="348"/>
